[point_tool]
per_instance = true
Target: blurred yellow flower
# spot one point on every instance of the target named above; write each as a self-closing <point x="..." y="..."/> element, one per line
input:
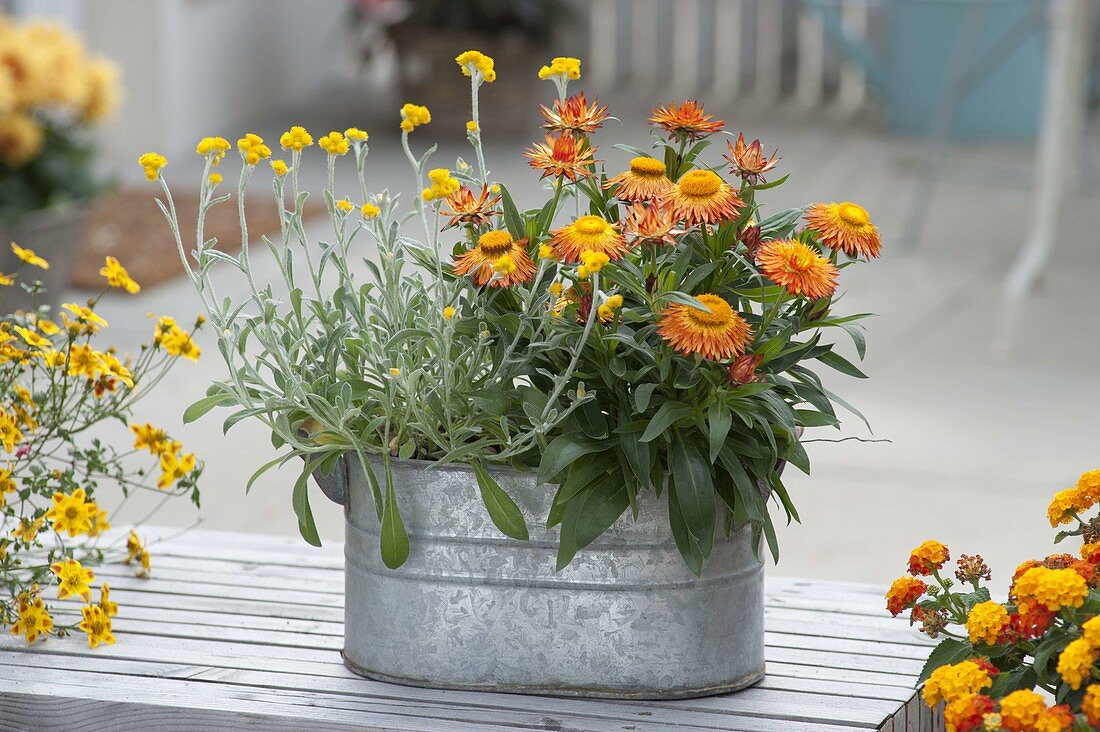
<point x="369" y="210"/>
<point x="28" y="256"/>
<point x="117" y="276"/>
<point x="215" y="179"/>
<point x="21" y="138"/>
<point x="345" y="205"/>
<point x="356" y="134"/>
<point x="472" y="62"/>
<point x="279" y="168"/>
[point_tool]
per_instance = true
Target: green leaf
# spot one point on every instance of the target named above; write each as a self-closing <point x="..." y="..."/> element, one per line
<point x="394" y="541"/>
<point x="264" y="468"/>
<point x="561" y="452"/>
<point x="503" y="510"/>
<point x="1007" y="682"/>
<point x="685" y="542"/>
<point x="694" y="491"/>
<point x="1045" y="654"/>
<point x="204" y="405"/>
<point x="588" y="515"/>
<point x="719" y="420"/>
<point x="512" y="218"/>
<point x="949" y="651"/>
<point x="300" y="500"/>
<point x="841" y="364"/>
<point x="814" y="418"/>
<point x="642" y="394"/>
<point x="666" y="416"/>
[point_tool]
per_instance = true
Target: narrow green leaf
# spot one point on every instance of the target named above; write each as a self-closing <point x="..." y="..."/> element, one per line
<point x="204" y="405"/>
<point x="588" y="515"/>
<point x="513" y="221"/>
<point x="642" y="395"/>
<point x="561" y="452"/>
<point x="841" y="364"/>
<point x="394" y="540"/>
<point x="666" y="416"/>
<point x="263" y="469"/>
<point x="694" y="491"/>
<point x="300" y="500"/>
<point x="685" y="542"/>
<point x="719" y="421"/>
<point x="503" y="510"/>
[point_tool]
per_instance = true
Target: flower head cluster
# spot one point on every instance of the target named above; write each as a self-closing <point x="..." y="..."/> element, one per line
<point x="413" y="116"/>
<point x="948" y="683"/>
<point x="476" y="63"/>
<point x="213" y="148"/>
<point x="253" y="149"/>
<point x="152" y="163"/>
<point x="334" y="143"/>
<point x="927" y="558"/>
<point x="565" y="67"/>
<point x="443" y="185"/>
<point x="296" y="139"/>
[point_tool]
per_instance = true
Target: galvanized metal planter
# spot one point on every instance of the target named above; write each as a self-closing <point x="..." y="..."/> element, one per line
<point x="473" y="609"/>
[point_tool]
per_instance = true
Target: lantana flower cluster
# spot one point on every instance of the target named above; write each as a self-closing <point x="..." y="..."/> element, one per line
<point x="56" y="385"/>
<point x="1031" y="663"/>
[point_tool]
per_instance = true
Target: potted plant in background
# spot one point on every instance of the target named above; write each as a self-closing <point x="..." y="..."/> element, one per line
<point x="57" y="390"/>
<point x="1029" y="663"/>
<point x="555" y="446"/>
<point x="51" y="92"/>
<point x="425" y="33"/>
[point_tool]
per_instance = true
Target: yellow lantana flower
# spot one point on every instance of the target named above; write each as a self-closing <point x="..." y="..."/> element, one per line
<point x="296" y="138"/>
<point x="117" y="276"/>
<point x="152" y="163"/>
<point x="73" y="579"/>
<point x="28" y="256"/>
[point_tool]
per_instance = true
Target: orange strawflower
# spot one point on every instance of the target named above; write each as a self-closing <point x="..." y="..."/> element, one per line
<point x="845" y="226"/>
<point x="902" y="593"/>
<point x="701" y="197"/>
<point x="644" y="181"/>
<point x="743" y="369"/>
<point x="798" y="268"/>
<point x="481" y="261"/>
<point x="575" y="115"/>
<point x="651" y="222"/>
<point x="717" y="335"/>
<point x="749" y="161"/>
<point x="465" y="209"/>
<point x="685" y="121"/>
<point x="561" y="156"/>
<point x="588" y="233"/>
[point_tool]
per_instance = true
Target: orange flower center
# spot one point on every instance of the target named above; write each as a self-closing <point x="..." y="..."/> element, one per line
<point x="700" y="184"/>
<point x="495" y="243"/>
<point x="800" y="259"/>
<point x="647" y="167"/>
<point x="590" y="225"/>
<point x="72" y="513"/>
<point x="720" y="316"/>
<point x="853" y="214"/>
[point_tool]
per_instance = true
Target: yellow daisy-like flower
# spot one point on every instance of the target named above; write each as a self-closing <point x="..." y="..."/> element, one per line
<point x="1052" y="588"/>
<point x="7" y="485"/>
<point x="798" y="268"/>
<point x="253" y="149"/>
<point x="214" y="147"/>
<point x="645" y="180"/>
<point x="413" y="116"/>
<point x="71" y="513"/>
<point x="565" y="67"/>
<point x="6" y="280"/>
<point x="588" y="233"/>
<point x="32" y="338"/>
<point x="1076" y="662"/>
<point x="137" y="553"/>
<point x="296" y="138"/>
<point x="10" y="434"/>
<point x="355" y="134"/>
<point x="153" y="439"/>
<point x="27" y="530"/>
<point x="28" y="256"/>
<point x="986" y="621"/>
<point x="117" y="276"/>
<point x="1021" y="709"/>
<point x="174" y="467"/>
<point x="279" y="167"/>
<point x="702" y="197"/>
<point x="152" y="163"/>
<point x="34" y="619"/>
<point x="491" y="246"/>
<point x="472" y="62"/>
<point x="948" y="683"/>
<point x="717" y="335"/>
<point x="846" y="226"/>
<point x="334" y="143"/>
<point x="73" y="579"/>
<point x="109" y="606"/>
<point x="84" y="361"/>
<point x="86" y="316"/>
<point x="97" y="624"/>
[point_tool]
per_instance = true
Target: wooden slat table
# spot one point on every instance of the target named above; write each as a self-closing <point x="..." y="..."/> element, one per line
<point x="238" y="631"/>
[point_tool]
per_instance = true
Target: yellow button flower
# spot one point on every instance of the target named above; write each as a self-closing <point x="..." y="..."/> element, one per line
<point x="279" y="168"/>
<point x="369" y="210"/>
<point x="413" y="116"/>
<point x="334" y="143"/>
<point x="471" y="126"/>
<point x="215" y="179"/>
<point x="152" y="163"/>
<point x="213" y="147"/>
<point x="565" y="67"/>
<point x="253" y="149"/>
<point x="356" y="134"/>
<point x="448" y="313"/>
<point x="345" y="205"/>
<point x="296" y="138"/>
